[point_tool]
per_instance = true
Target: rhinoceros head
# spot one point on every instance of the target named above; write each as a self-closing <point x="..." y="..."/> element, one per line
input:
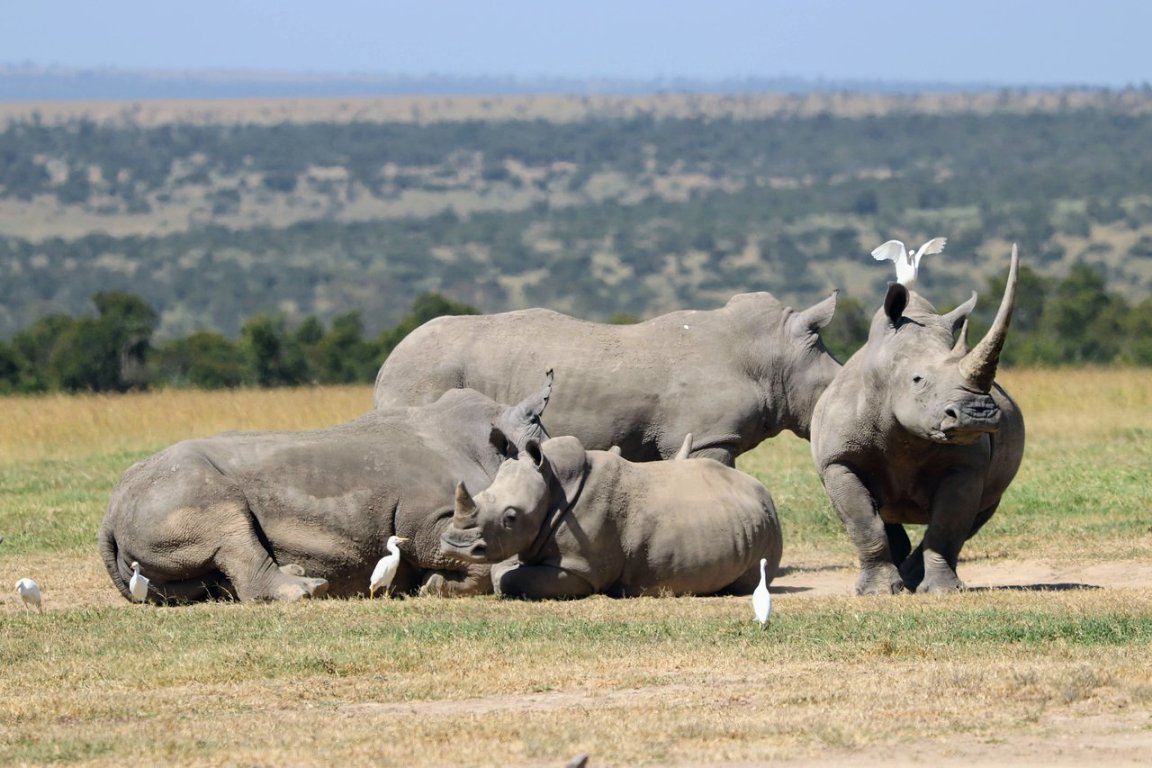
<point x="938" y="388"/>
<point x="520" y="424"/>
<point x="511" y="514"/>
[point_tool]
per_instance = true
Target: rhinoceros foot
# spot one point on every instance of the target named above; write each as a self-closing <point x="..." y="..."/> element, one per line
<point x="939" y="576"/>
<point x="880" y="580"/>
<point x="300" y="588"/>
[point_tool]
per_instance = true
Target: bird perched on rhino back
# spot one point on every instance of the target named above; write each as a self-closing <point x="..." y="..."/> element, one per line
<point x="915" y="430"/>
<point x="907" y="262"/>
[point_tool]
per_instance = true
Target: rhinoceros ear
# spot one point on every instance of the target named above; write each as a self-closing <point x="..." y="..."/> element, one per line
<point x="502" y="444"/>
<point x="535" y="453"/>
<point x="894" y="302"/>
<point x="815" y="317"/>
<point x="534" y="405"/>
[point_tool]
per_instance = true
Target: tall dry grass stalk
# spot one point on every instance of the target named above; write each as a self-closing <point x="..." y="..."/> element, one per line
<point x="69" y="426"/>
<point x="1063" y="404"/>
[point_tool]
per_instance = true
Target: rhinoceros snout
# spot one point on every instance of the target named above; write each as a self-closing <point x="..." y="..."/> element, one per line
<point x="463" y="543"/>
<point x="966" y="420"/>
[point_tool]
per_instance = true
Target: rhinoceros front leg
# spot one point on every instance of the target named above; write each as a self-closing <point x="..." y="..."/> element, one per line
<point x="932" y="567"/>
<point x="861" y="517"/>
<point x="539" y="582"/>
<point x="472" y="579"/>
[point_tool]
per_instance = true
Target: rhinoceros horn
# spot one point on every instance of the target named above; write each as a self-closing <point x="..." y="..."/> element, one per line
<point x="979" y="365"/>
<point x="465" y="514"/>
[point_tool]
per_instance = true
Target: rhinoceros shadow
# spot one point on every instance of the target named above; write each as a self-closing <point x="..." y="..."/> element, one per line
<point x="1061" y="586"/>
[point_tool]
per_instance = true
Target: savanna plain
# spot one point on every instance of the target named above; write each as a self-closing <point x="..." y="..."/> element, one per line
<point x="1045" y="660"/>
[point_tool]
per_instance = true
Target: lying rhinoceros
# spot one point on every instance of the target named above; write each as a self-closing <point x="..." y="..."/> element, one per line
<point x="285" y="515"/>
<point x="581" y="522"/>
<point x="914" y="429"/>
<point x="733" y="376"/>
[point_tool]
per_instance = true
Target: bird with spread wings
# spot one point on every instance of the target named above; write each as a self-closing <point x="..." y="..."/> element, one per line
<point x="907" y="262"/>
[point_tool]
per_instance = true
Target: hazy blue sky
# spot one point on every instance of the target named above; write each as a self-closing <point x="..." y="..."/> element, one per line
<point x="1102" y="42"/>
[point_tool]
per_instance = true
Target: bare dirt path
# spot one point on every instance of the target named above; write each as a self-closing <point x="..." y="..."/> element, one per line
<point x="815" y="577"/>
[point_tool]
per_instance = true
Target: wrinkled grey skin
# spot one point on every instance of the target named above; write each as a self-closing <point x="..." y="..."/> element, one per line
<point x="563" y="522"/>
<point x="287" y="515"/>
<point x="915" y="430"/>
<point x="733" y="376"/>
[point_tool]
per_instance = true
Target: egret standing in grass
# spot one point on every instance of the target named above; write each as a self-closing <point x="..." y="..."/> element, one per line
<point x="30" y="594"/>
<point x="138" y="584"/>
<point x="385" y="570"/>
<point x="761" y="597"/>
<point x="907" y="262"/>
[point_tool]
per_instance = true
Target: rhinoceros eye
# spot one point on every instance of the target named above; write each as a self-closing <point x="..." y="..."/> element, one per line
<point x="509" y="518"/>
<point x="917" y="379"/>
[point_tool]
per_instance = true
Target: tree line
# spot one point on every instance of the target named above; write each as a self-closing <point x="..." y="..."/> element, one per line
<point x="1072" y="321"/>
<point x="114" y="351"/>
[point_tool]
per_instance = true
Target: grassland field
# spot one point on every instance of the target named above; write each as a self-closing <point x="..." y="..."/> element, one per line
<point x="1046" y="660"/>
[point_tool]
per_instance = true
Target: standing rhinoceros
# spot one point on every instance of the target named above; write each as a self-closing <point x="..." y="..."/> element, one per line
<point x="285" y="515"/>
<point x="582" y="522"/>
<point x="733" y="376"/>
<point x="914" y="429"/>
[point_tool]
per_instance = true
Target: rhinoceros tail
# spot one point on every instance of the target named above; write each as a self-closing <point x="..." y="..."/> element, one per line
<point x="110" y="552"/>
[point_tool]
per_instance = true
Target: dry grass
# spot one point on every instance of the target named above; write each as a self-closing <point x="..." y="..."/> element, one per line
<point x="984" y="676"/>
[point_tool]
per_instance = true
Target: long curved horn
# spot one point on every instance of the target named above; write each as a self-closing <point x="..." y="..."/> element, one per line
<point x="979" y="365"/>
<point x="465" y="514"/>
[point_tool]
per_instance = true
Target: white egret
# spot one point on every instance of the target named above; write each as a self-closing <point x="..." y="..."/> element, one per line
<point x="907" y="262"/>
<point x="138" y="584"/>
<point x="385" y="570"/>
<point x="761" y="597"/>
<point x="29" y="593"/>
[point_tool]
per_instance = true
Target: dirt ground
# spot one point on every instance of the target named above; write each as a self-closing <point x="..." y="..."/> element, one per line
<point x="821" y="577"/>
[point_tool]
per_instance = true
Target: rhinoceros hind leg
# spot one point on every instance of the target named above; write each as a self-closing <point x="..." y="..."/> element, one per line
<point x="542" y="582"/>
<point x="912" y="569"/>
<point x="248" y="565"/>
<point x="898" y="542"/>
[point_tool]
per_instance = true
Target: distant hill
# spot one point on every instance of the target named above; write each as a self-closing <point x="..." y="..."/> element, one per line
<point x="597" y="205"/>
<point x="25" y="83"/>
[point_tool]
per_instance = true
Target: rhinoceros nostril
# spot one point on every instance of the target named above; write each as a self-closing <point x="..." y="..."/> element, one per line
<point x="950" y="412"/>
